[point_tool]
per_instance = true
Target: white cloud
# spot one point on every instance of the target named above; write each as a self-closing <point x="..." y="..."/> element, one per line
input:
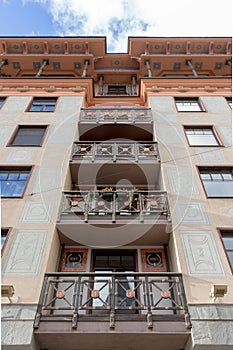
<point x="118" y="19"/>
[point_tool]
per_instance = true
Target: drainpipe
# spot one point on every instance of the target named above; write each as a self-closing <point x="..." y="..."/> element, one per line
<point x="147" y="63"/>
<point x="188" y="62"/>
<point x="85" y="68"/>
<point x="45" y="62"/>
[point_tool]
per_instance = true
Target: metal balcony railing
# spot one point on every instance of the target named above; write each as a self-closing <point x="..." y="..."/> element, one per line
<point x="116" y="205"/>
<point x="136" y="151"/>
<point x="74" y="296"/>
<point x="116" y="115"/>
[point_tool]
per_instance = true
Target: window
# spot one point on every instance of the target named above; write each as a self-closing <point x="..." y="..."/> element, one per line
<point x="4" y="233"/>
<point x="2" y="99"/>
<point x="185" y="104"/>
<point x="218" y="182"/>
<point x="201" y="136"/>
<point x="229" y="101"/>
<point x="43" y="105"/>
<point x="117" y="90"/>
<point x="227" y="238"/>
<point x="29" y="136"/>
<point x="13" y="181"/>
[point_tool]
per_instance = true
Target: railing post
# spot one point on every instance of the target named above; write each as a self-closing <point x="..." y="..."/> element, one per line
<point x="114" y="208"/>
<point x="137" y="151"/>
<point x="141" y="208"/>
<point x="43" y="296"/>
<point x="86" y="207"/>
<point x="184" y="302"/>
<point x="112" y="296"/>
<point x="76" y="302"/>
<point x="114" y="152"/>
<point x="93" y="155"/>
<point x="149" y="313"/>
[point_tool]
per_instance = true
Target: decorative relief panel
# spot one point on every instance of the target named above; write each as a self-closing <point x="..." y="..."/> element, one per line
<point x="182" y="181"/>
<point x="26" y="252"/>
<point x="191" y="213"/>
<point x="201" y="253"/>
<point x="36" y="213"/>
<point x="74" y="259"/>
<point x="153" y="260"/>
<point x="210" y="156"/>
<point x="20" y="156"/>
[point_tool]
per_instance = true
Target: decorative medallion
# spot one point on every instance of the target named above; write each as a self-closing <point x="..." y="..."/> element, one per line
<point x="177" y="47"/>
<point x="198" y="47"/>
<point x="74" y="259"/>
<point x="57" y="46"/>
<point x="16" y="47"/>
<point x="60" y="294"/>
<point x="153" y="260"/>
<point x="95" y="293"/>
<point x="218" y="47"/>
<point x="77" y="47"/>
<point x="157" y="47"/>
<point x="130" y="293"/>
<point x="165" y="294"/>
<point x="36" y="47"/>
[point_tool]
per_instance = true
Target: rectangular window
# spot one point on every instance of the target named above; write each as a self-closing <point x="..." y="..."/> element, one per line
<point x="43" y="105"/>
<point x="185" y="104"/>
<point x="218" y="182"/>
<point x="201" y="136"/>
<point x="4" y="233"/>
<point x="13" y="181"/>
<point x="29" y="136"/>
<point x="227" y="238"/>
<point x="229" y="101"/>
<point x="2" y="99"/>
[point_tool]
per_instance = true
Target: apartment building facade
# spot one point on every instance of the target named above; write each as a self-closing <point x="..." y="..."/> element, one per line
<point x="117" y="184"/>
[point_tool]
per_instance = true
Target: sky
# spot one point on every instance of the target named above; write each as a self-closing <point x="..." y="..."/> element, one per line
<point x="116" y="19"/>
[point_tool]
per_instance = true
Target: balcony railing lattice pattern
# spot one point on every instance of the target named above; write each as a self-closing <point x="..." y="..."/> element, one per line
<point x="71" y="296"/>
<point x="116" y="115"/>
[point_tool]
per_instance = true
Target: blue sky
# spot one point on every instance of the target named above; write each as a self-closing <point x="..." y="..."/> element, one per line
<point x="116" y="19"/>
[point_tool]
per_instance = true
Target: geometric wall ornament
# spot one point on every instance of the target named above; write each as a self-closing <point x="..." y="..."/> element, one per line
<point x="25" y="253"/>
<point x="156" y="65"/>
<point x="190" y="213"/>
<point x="56" y="65"/>
<point x="20" y="156"/>
<point x="153" y="260"/>
<point x="77" y="65"/>
<point x="36" y="65"/>
<point x="201" y="253"/>
<point x="74" y="259"/>
<point x="177" y="65"/>
<point x="36" y="213"/>
<point x="218" y="65"/>
<point x="16" y="65"/>
<point x="198" y="65"/>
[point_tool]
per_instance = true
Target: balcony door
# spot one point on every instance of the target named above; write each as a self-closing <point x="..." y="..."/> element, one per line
<point x="107" y="263"/>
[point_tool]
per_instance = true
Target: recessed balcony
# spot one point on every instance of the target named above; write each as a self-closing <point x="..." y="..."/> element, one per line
<point x="130" y="309"/>
<point x="102" y="124"/>
<point x="139" y="161"/>
<point x="99" y="218"/>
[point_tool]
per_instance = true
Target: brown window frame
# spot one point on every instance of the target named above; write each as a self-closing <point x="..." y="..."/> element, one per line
<point x="213" y="168"/>
<point x="2" y="98"/>
<point x="15" y="133"/>
<point x="222" y="231"/>
<point x="229" y="101"/>
<point x="19" y="168"/>
<point x="34" y="99"/>
<point x="214" y="132"/>
<point x="190" y="98"/>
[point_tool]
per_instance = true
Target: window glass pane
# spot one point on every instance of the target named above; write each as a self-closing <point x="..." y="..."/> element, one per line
<point x="219" y="188"/>
<point x="114" y="260"/>
<point x="127" y="260"/>
<point x="216" y="177"/>
<point x="14" y="184"/>
<point x="43" y="105"/>
<point x="13" y="175"/>
<point x="31" y="136"/>
<point x="3" y="175"/>
<point x="228" y="241"/>
<point x="3" y="238"/>
<point x="205" y="176"/>
<point x="227" y="176"/>
<point x="230" y="255"/>
<point x="2" y="99"/>
<point x="188" y="105"/>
